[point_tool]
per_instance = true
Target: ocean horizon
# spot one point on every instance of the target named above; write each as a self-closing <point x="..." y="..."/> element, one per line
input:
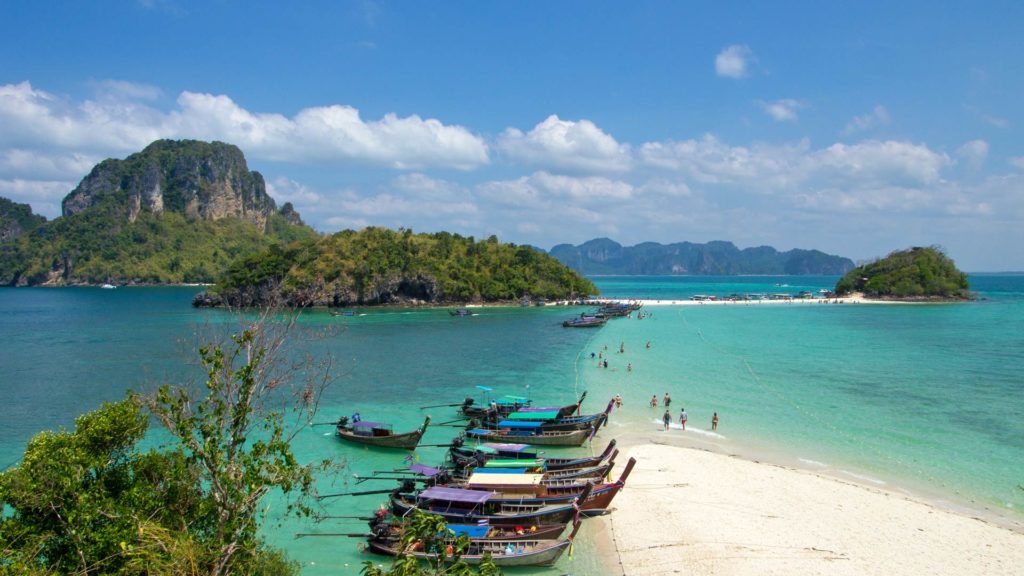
<point x="891" y="396"/>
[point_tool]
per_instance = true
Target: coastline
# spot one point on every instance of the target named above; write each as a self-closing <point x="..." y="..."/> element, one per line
<point x="692" y="506"/>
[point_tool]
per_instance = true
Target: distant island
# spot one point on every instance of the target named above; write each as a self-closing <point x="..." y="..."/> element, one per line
<point x="176" y="212"/>
<point x="603" y="256"/>
<point x="910" y="275"/>
<point x="378" y="266"/>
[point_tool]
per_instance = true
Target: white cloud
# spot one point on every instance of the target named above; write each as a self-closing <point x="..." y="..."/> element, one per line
<point x="879" y="116"/>
<point x="545" y="190"/>
<point x="732" y="62"/>
<point x="44" y="196"/>
<point x="286" y="190"/>
<point x="325" y="135"/>
<point x="782" y="110"/>
<point x="974" y="153"/>
<point x="566" y="144"/>
<point x="872" y="161"/>
<point x="1017" y="162"/>
<point x="44" y="165"/>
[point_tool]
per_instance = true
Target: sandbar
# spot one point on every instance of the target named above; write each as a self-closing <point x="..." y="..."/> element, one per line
<point x="693" y="511"/>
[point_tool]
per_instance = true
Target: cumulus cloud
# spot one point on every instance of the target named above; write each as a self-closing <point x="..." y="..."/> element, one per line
<point x="973" y="153"/>
<point x="1017" y="162"/>
<point x="732" y="62"/>
<point x="782" y="110"/>
<point x="879" y="116"/>
<point x="566" y="144"/>
<point x="324" y="135"/>
<point x="43" y="195"/>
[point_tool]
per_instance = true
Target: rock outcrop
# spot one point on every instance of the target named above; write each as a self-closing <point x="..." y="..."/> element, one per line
<point x="202" y="180"/>
<point x="17" y="219"/>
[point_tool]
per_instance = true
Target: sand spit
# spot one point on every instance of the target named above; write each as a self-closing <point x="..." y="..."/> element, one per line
<point x="690" y="511"/>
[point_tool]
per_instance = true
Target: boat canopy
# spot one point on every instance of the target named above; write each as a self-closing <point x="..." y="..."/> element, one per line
<point x="368" y="424"/>
<point x="504" y="447"/>
<point x="488" y="479"/>
<point x="553" y="415"/>
<point x="541" y="409"/>
<point x="511" y="470"/>
<point x="425" y="470"/>
<point x="516" y="424"/>
<point x="513" y="463"/>
<point x="471" y="530"/>
<point x="454" y="495"/>
<point x="479" y="432"/>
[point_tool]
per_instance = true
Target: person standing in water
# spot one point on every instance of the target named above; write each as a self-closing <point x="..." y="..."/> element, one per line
<point x="666" y="418"/>
<point x="682" y="418"/>
<point x="667" y="400"/>
<point x="654" y="401"/>
<point x="714" y="421"/>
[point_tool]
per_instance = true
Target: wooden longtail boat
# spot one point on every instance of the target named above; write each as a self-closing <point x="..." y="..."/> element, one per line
<point x="509" y="404"/>
<point x="550" y="420"/>
<point x="504" y="553"/>
<point x="472" y="506"/>
<point x="462" y="455"/>
<point x="588" y="322"/>
<point x="384" y="529"/>
<point x="532" y="433"/>
<point x="379" y="434"/>
<point x="593" y="500"/>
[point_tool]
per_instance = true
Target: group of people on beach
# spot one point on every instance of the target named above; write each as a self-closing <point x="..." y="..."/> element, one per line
<point x="602" y="362"/>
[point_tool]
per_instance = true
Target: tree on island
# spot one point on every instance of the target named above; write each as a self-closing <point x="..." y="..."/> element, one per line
<point x="90" y="502"/>
<point x="917" y="273"/>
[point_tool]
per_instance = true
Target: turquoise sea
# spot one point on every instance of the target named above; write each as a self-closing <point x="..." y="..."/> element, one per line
<point x="928" y="398"/>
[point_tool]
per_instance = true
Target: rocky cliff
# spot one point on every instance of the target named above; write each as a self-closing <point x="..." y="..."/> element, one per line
<point x="202" y="180"/>
<point x="17" y="219"/>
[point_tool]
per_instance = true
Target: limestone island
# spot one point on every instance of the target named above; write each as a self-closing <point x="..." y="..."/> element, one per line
<point x="378" y="266"/>
<point x="914" y="275"/>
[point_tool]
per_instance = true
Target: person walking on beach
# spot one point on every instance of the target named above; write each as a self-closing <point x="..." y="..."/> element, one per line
<point x="654" y="401"/>
<point x="667" y="400"/>
<point x="714" y="421"/>
<point x="618" y="401"/>
<point x="682" y="418"/>
<point x="666" y="418"/>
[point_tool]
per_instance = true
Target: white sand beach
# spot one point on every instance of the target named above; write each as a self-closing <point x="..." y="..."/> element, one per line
<point x="692" y="511"/>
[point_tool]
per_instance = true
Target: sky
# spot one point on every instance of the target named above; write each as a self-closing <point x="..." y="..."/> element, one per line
<point x="854" y="127"/>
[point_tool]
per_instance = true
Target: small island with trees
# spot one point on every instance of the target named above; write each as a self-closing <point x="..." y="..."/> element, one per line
<point x="379" y="266"/>
<point x="917" y="274"/>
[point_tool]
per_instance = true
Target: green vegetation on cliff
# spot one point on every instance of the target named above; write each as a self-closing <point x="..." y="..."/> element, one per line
<point x="907" y="274"/>
<point x="97" y="245"/>
<point x="380" y="266"/>
<point x="176" y="212"/>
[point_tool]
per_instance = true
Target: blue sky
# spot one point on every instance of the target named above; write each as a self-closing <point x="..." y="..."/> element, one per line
<point x="856" y="128"/>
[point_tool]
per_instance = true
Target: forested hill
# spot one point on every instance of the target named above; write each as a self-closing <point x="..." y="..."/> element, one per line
<point x="176" y="212"/>
<point x="382" y="266"/>
<point x="914" y="274"/>
<point x="604" y="256"/>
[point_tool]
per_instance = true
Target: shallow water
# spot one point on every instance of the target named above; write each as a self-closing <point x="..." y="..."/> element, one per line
<point x="928" y="397"/>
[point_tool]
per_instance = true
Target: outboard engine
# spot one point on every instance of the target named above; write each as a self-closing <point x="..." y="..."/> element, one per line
<point x="458" y="441"/>
<point x="343" y="421"/>
<point x="467" y="402"/>
<point x="408" y="485"/>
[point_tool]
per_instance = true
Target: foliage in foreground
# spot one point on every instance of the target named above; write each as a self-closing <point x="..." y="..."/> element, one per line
<point x="91" y="502"/>
<point x="427" y="529"/>
<point x="914" y="273"/>
<point x="378" y="265"/>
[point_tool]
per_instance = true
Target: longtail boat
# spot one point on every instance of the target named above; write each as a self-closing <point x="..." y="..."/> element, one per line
<point x="462" y="455"/>
<point x="473" y="506"/>
<point x="508" y="404"/>
<point x="531" y="432"/>
<point x="587" y="322"/>
<point x="592" y="500"/>
<point x="384" y="528"/>
<point x="504" y="553"/>
<point x="550" y="420"/>
<point x="379" y="434"/>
